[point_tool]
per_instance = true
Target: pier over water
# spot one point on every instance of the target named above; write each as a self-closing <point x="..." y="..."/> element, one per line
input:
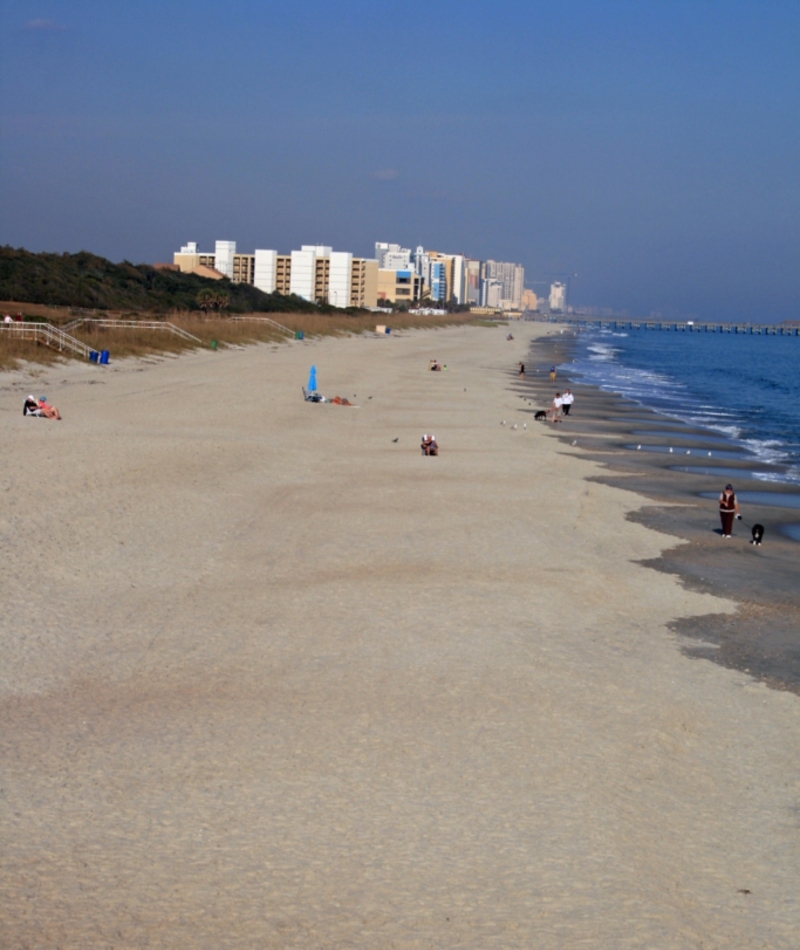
<point x="688" y="326"/>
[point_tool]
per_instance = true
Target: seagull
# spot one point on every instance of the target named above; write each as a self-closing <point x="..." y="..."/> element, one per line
<point x="397" y="439"/>
<point x="574" y="442"/>
<point x="503" y="422"/>
<point x="524" y="425"/>
<point x="688" y="451"/>
<point x="670" y="451"/>
<point x="638" y="447"/>
<point x="709" y="455"/>
<point x="514" y="426"/>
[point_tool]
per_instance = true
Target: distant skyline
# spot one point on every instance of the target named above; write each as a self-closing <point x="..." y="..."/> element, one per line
<point x="651" y="149"/>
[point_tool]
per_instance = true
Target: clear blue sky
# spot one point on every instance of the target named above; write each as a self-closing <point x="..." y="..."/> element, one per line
<point x="652" y="148"/>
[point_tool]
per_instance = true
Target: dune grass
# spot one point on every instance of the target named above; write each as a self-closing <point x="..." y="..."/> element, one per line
<point x="224" y="330"/>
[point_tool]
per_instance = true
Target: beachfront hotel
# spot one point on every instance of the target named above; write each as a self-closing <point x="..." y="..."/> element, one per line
<point x="396" y="275"/>
<point x="316" y="272"/>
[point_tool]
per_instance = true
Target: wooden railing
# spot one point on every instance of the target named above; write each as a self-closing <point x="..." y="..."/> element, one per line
<point x="268" y="320"/>
<point x="134" y="325"/>
<point x="46" y="333"/>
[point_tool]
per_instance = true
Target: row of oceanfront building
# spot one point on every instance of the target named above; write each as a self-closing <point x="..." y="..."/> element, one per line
<point x="395" y="276"/>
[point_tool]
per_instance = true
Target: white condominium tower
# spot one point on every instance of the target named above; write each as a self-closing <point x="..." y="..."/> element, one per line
<point x="558" y="296"/>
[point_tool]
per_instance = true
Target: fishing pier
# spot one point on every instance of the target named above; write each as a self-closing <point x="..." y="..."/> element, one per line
<point x="688" y="326"/>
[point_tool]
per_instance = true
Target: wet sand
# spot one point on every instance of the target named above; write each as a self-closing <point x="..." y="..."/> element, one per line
<point x="763" y="636"/>
<point x="272" y="679"/>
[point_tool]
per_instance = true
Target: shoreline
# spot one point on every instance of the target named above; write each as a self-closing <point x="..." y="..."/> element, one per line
<point x="763" y="637"/>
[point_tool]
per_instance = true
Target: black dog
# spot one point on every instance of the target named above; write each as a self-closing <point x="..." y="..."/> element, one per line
<point x="541" y="414"/>
<point x="758" y="534"/>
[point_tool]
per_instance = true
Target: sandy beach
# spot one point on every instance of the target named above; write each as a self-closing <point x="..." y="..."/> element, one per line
<point x="272" y="679"/>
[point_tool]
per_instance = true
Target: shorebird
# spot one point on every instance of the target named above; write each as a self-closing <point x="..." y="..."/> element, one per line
<point x="502" y="422"/>
<point x="524" y="425"/>
<point x="638" y="447"/>
<point x="514" y="426"/>
<point x="670" y="451"/>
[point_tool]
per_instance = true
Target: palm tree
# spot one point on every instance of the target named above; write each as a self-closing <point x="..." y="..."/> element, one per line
<point x="206" y="299"/>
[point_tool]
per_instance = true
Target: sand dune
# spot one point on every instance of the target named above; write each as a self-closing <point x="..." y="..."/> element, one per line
<point x="270" y="679"/>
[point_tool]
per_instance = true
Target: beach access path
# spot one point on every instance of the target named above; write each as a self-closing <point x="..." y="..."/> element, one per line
<point x="272" y="679"/>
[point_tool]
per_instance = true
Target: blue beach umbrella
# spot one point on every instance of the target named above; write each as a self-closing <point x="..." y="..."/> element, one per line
<point x="312" y="380"/>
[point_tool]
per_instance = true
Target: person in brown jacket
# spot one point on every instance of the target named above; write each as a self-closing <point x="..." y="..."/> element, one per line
<point x="728" y="510"/>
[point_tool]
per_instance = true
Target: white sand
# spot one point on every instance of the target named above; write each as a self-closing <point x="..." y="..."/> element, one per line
<point x="272" y="680"/>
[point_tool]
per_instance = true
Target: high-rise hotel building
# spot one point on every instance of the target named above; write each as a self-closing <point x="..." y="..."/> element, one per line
<point x="315" y="272"/>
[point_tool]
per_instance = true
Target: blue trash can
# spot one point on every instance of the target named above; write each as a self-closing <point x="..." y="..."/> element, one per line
<point x="94" y="356"/>
<point x="388" y="330"/>
<point x="299" y="335"/>
<point x="104" y="357"/>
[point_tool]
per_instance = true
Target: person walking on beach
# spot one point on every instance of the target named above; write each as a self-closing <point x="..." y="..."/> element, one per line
<point x="555" y="409"/>
<point x="566" y="402"/>
<point x="521" y="370"/>
<point x="552" y="374"/>
<point x="728" y="509"/>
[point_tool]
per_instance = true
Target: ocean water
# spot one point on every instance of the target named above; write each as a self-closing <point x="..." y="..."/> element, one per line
<point x="743" y="388"/>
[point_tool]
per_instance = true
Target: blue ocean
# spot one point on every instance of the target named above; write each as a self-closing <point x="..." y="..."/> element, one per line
<point x="744" y="388"/>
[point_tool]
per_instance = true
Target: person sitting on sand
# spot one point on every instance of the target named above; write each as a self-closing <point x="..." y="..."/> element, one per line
<point x="49" y="412"/>
<point x="31" y="407"/>
<point x="434" y="366"/>
<point x="429" y="445"/>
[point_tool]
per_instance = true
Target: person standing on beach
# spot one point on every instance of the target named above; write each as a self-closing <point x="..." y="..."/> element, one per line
<point x="728" y="509"/>
<point x="552" y="374"/>
<point x="521" y="370"/>
<point x="566" y="401"/>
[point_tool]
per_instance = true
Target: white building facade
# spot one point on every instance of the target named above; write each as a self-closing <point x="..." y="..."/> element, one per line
<point x="224" y="252"/>
<point x="558" y="297"/>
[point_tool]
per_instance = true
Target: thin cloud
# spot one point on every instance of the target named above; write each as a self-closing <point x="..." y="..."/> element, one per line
<point x="386" y="174"/>
<point x="44" y="26"/>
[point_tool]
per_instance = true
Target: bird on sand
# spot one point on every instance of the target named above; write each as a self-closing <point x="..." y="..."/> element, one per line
<point x="397" y="439"/>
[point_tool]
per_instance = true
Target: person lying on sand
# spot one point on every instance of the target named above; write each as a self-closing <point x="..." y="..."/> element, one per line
<point x="48" y="411"/>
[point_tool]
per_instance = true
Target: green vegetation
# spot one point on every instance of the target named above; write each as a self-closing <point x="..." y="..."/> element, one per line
<point x="88" y="281"/>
